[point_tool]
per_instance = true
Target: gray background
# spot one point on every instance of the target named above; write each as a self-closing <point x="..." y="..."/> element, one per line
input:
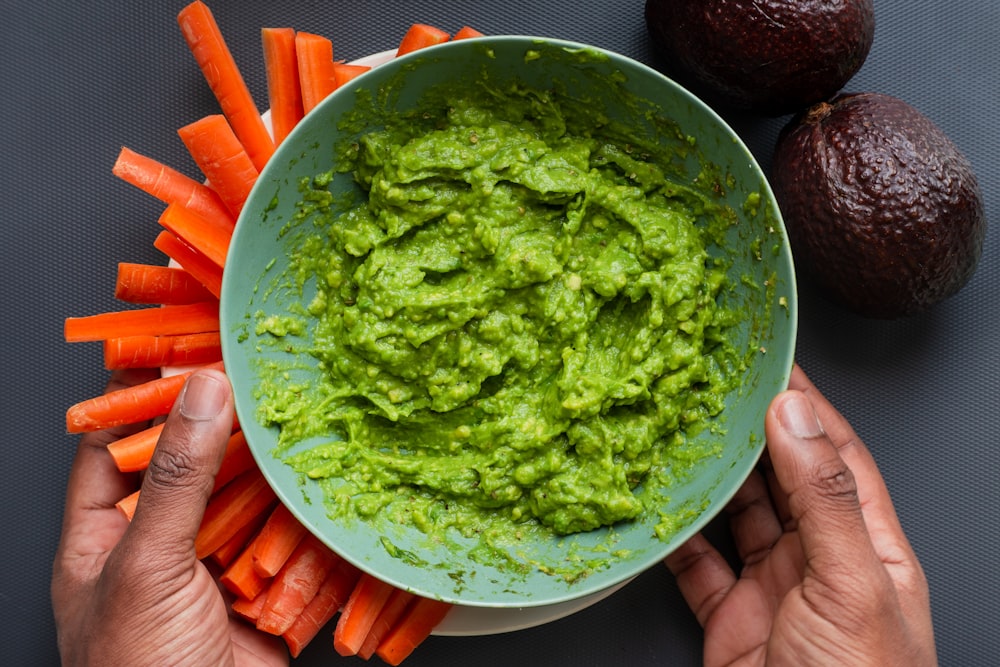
<point x="82" y="79"/>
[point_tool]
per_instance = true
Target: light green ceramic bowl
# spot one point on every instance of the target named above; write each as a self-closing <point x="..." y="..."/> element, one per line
<point x="761" y="278"/>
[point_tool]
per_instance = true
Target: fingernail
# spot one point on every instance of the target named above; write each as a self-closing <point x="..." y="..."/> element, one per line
<point x="202" y="398"/>
<point x="798" y="417"/>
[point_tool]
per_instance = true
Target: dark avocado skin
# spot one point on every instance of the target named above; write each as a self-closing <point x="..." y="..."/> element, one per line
<point x="882" y="209"/>
<point x="769" y="57"/>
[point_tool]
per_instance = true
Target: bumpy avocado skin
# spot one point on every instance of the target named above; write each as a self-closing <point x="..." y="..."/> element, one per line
<point x="769" y="57"/>
<point x="883" y="210"/>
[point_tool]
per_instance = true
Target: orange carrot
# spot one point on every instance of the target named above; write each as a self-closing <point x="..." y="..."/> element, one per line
<point x="204" y="235"/>
<point x="205" y="271"/>
<point x="240" y="578"/>
<point x="232" y="507"/>
<point x="210" y="51"/>
<point x="236" y="461"/>
<point x="283" y="90"/>
<point x="359" y="613"/>
<point x="466" y="32"/>
<point x="419" y="619"/>
<point x="133" y="453"/>
<point x="314" y="54"/>
<point x="219" y="154"/>
<point x="344" y="72"/>
<point x="157" y="321"/>
<point x="332" y="594"/>
<point x="249" y="609"/>
<point x="237" y="544"/>
<point x="276" y="541"/>
<point x="387" y="618"/>
<point x="295" y="585"/>
<point x="169" y="185"/>
<point x="127" y="504"/>
<point x="154" y="283"/>
<point x="159" y="351"/>
<point x="419" y="36"/>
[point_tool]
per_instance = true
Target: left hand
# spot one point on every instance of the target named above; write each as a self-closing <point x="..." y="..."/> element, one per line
<point x="135" y="593"/>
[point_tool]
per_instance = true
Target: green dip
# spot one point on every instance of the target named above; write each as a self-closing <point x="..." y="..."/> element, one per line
<point x="516" y="323"/>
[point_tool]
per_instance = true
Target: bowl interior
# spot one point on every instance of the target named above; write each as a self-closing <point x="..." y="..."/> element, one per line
<point x="762" y="287"/>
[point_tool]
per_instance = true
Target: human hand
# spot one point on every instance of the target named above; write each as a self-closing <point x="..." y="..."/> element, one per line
<point x="828" y="576"/>
<point x="134" y="593"/>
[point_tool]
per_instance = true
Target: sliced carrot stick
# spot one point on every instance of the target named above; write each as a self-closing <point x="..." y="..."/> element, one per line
<point x="466" y="32"/>
<point x="206" y="236"/>
<point x="240" y="578"/>
<point x="127" y="504"/>
<point x="205" y="271"/>
<point x="157" y="321"/>
<point x="159" y="351"/>
<point x="276" y="541"/>
<point x="344" y="72"/>
<point x="237" y="544"/>
<point x="419" y="619"/>
<point x="359" y="613"/>
<point x="212" y="143"/>
<point x="330" y="597"/>
<point x="387" y="619"/>
<point x="133" y="453"/>
<point x="210" y="51"/>
<point x="237" y="460"/>
<point x="249" y="609"/>
<point x="169" y="185"/>
<point x="232" y="507"/>
<point x="295" y="586"/>
<point x="129" y="405"/>
<point x="419" y="36"/>
<point x="283" y="89"/>
<point x="155" y="283"/>
<point x="314" y="54"/>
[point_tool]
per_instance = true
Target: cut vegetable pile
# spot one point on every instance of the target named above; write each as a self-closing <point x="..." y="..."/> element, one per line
<point x="285" y="580"/>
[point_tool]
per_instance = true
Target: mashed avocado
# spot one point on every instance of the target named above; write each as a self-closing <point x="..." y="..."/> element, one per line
<point x="516" y="324"/>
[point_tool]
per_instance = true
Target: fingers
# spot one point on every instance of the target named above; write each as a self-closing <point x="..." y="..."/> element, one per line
<point x="753" y="522"/>
<point x="703" y="576"/>
<point x="181" y="473"/>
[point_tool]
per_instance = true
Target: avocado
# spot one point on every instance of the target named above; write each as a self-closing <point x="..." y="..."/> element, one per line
<point x="769" y="57"/>
<point x="883" y="211"/>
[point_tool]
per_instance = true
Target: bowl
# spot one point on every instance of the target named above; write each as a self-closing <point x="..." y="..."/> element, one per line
<point x="271" y="316"/>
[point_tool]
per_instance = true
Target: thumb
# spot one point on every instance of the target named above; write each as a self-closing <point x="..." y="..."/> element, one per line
<point x="181" y="473"/>
<point x="821" y="489"/>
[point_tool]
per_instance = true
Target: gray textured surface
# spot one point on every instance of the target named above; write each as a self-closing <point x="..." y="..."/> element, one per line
<point x="81" y="80"/>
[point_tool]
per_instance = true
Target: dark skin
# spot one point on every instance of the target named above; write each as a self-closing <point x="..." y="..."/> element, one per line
<point x="828" y="576"/>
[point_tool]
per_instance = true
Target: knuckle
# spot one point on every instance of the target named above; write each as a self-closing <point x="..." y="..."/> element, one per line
<point x="171" y="469"/>
<point x="833" y="480"/>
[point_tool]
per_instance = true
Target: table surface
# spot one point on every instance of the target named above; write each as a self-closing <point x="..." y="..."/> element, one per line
<point x="82" y="80"/>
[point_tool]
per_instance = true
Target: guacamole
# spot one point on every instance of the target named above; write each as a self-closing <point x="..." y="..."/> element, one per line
<point x="515" y="324"/>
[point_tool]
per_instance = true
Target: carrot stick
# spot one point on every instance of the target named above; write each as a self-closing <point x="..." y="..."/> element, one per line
<point x="212" y="143"/>
<point x="344" y="72"/>
<point x="156" y="321"/>
<point x="159" y="351"/>
<point x="133" y="453"/>
<point x="154" y="283"/>
<point x="419" y="36"/>
<point x="419" y="619"/>
<point x="237" y="460"/>
<point x="169" y="185"/>
<point x="205" y="271"/>
<point x="204" y="235"/>
<point x="232" y="507"/>
<point x="250" y="609"/>
<point x="207" y="44"/>
<point x="276" y="541"/>
<point x="387" y="618"/>
<point x="283" y="90"/>
<point x="466" y="32"/>
<point x="241" y="579"/>
<point x="295" y="586"/>
<point x="332" y="594"/>
<point x="129" y="405"/>
<point x="314" y="54"/>
<point x="359" y="613"/>
<point x="127" y="504"/>
<point x="237" y="544"/>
